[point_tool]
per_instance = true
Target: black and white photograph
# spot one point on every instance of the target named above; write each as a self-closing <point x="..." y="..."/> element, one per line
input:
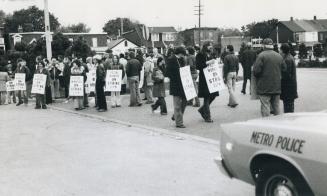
<point x="163" y="98"/>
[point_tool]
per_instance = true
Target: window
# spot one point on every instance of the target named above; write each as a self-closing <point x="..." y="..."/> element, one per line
<point x="126" y="44"/>
<point x="155" y="37"/>
<point x="210" y="35"/>
<point x="95" y="42"/>
<point x="17" y="39"/>
<point x="170" y="37"/>
<point x="321" y="37"/>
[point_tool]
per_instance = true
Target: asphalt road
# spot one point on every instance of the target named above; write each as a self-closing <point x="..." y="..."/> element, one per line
<point x="312" y="97"/>
<point x="53" y="153"/>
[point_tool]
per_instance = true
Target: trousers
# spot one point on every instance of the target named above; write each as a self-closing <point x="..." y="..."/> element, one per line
<point x="269" y="103"/>
<point x="179" y="109"/>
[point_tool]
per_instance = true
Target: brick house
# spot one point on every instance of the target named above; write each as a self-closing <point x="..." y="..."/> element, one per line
<point x="162" y="37"/>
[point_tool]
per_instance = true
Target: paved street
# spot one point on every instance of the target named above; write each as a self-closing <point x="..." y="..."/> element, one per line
<point x="48" y="152"/>
<point x="312" y="97"/>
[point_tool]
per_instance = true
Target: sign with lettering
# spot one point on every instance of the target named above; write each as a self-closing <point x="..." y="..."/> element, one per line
<point x="289" y="144"/>
<point x="214" y="78"/>
<point x="113" y="80"/>
<point x="39" y="82"/>
<point x="90" y="82"/>
<point x="76" y="86"/>
<point x="141" y="78"/>
<point x="10" y="86"/>
<point x="20" y="82"/>
<point x="187" y="82"/>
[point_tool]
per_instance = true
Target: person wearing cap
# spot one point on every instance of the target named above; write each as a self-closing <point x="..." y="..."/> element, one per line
<point x="248" y="58"/>
<point x="267" y="71"/>
<point x="174" y="63"/>
<point x="230" y="71"/>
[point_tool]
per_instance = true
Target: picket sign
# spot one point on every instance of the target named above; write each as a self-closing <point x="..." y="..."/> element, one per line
<point x="141" y="78"/>
<point x="187" y="82"/>
<point x="76" y="87"/>
<point x="90" y="82"/>
<point x="19" y="81"/>
<point x="113" y="80"/>
<point x="39" y="82"/>
<point x="214" y="79"/>
<point x="10" y="86"/>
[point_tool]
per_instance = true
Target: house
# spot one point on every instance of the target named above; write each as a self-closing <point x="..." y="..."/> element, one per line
<point x="121" y="45"/>
<point x="191" y="36"/>
<point x="98" y="42"/>
<point x="162" y="37"/>
<point x="309" y="32"/>
<point x="2" y="41"/>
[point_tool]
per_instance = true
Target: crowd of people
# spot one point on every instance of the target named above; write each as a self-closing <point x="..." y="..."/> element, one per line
<point x="272" y="77"/>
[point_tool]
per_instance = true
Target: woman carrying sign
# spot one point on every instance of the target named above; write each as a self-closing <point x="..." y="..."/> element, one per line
<point x="78" y="70"/>
<point x="115" y="95"/>
<point x="40" y="98"/>
<point x="159" y="87"/>
<point x="203" y="59"/>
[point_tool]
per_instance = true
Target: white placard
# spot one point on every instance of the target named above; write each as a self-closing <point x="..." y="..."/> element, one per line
<point x="214" y="79"/>
<point x="141" y="78"/>
<point x="39" y="82"/>
<point x="90" y="82"/>
<point x="76" y="86"/>
<point x="20" y="82"/>
<point x="113" y="80"/>
<point x="187" y="82"/>
<point x="10" y="86"/>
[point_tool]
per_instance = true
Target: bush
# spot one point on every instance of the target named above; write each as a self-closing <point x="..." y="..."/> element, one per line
<point x="312" y="64"/>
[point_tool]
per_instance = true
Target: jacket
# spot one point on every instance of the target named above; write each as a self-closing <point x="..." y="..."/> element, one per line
<point x="289" y="83"/>
<point x="231" y="64"/>
<point x="175" y="87"/>
<point x="190" y="60"/>
<point x="201" y="60"/>
<point x="4" y="77"/>
<point x="117" y="67"/>
<point x="159" y="84"/>
<point x="247" y="61"/>
<point x="133" y="68"/>
<point x="148" y="70"/>
<point x="267" y="70"/>
<point x="26" y="70"/>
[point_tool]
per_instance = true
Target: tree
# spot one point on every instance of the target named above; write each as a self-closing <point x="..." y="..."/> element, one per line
<point x="79" y="49"/>
<point x="227" y="32"/>
<point x="303" y="52"/>
<point x="113" y="26"/>
<point x="20" y="46"/>
<point x="59" y="44"/>
<point x="260" y="29"/>
<point x="317" y="50"/>
<point x="75" y="28"/>
<point x="31" y="19"/>
<point x="2" y="17"/>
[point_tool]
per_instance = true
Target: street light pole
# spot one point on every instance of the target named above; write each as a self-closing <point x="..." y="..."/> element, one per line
<point x="47" y="30"/>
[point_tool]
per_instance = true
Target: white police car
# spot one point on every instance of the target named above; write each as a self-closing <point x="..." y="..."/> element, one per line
<point x="283" y="155"/>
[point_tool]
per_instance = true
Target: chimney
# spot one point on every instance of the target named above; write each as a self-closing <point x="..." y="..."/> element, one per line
<point x="20" y="29"/>
<point x="291" y="18"/>
<point x="314" y="17"/>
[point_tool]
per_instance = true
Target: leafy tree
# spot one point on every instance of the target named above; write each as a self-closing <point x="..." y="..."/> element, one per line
<point x="2" y="17"/>
<point x="31" y="19"/>
<point x="22" y="47"/>
<point x="260" y="29"/>
<point x="317" y="50"/>
<point x="75" y="28"/>
<point x="79" y="48"/>
<point x="112" y="26"/>
<point x="59" y="44"/>
<point x="303" y="52"/>
<point x="229" y="32"/>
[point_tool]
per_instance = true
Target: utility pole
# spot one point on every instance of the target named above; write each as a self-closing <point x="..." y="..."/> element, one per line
<point x="47" y="30"/>
<point x="121" y="26"/>
<point x="277" y="36"/>
<point x="199" y="12"/>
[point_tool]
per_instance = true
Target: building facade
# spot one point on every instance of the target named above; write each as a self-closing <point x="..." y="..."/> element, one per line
<point x="191" y="36"/>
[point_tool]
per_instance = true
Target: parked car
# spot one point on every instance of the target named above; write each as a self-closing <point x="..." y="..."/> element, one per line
<point x="280" y="155"/>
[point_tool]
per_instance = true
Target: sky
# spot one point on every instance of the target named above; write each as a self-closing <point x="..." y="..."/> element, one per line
<point x="177" y="13"/>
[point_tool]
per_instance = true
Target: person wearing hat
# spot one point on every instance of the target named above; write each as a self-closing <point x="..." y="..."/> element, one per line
<point x="267" y="70"/>
<point x="174" y="63"/>
<point x="247" y="61"/>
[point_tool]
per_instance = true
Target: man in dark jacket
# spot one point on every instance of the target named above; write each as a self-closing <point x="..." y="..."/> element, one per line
<point x="176" y="88"/>
<point x="247" y="61"/>
<point x="133" y="69"/>
<point x="267" y="70"/>
<point x="230" y="69"/>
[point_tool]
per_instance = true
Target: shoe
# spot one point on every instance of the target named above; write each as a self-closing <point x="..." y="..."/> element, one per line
<point x="164" y="113"/>
<point x="209" y="120"/>
<point x="113" y="106"/>
<point x="131" y="105"/>
<point x="118" y="106"/>
<point x="149" y="102"/>
<point x="19" y="103"/>
<point x="37" y="107"/>
<point x="44" y="107"/>
<point x="139" y="104"/>
<point x="196" y="105"/>
<point x="202" y="114"/>
<point x="152" y="108"/>
<point x="144" y="99"/>
<point x="233" y="106"/>
<point x="86" y="106"/>
<point x="243" y="92"/>
<point x="173" y="118"/>
<point x="102" y="110"/>
<point x="180" y="126"/>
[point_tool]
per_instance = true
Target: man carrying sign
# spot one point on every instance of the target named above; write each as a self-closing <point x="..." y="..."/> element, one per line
<point x="203" y="60"/>
<point x="22" y="69"/>
<point x="174" y="64"/>
<point x="40" y="96"/>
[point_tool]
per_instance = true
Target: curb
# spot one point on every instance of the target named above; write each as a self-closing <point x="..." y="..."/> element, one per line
<point x="169" y="133"/>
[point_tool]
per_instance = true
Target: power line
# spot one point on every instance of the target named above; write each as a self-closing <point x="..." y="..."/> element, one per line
<point x="199" y="12"/>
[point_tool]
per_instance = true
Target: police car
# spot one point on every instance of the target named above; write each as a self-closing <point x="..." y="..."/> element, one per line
<point x="283" y="155"/>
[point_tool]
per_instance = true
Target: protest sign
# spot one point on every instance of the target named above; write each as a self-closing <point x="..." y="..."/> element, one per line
<point x="20" y="81"/>
<point x="39" y="82"/>
<point x="113" y="80"/>
<point x="90" y="82"/>
<point x="187" y="82"/>
<point x="214" y="79"/>
<point x="141" y="78"/>
<point x="10" y="86"/>
<point x="76" y="87"/>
